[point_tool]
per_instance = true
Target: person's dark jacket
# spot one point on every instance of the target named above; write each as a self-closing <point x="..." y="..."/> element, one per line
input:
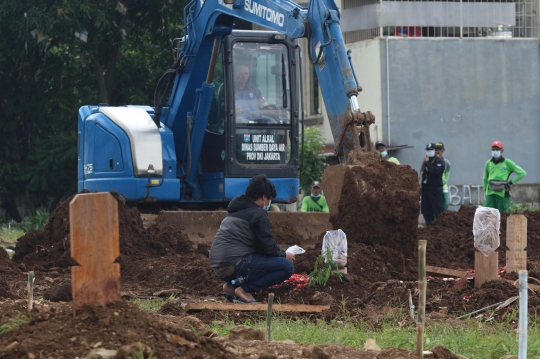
<point x="432" y="173"/>
<point x="245" y="230"/>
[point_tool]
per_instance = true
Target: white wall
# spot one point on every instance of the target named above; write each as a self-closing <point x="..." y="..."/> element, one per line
<point x="465" y="93"/>
<point x="366" y="58"/>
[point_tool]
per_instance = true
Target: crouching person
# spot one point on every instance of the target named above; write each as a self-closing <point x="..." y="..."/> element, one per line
<point x="244" y="254"/>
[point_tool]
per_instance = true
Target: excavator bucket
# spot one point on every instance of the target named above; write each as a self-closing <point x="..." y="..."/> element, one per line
<point x="374" y="202"/>
<point x="333" y="184"/>
<point x="304" y="229"/>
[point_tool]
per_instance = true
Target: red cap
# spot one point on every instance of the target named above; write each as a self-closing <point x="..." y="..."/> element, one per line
<point x="497" y="144"/>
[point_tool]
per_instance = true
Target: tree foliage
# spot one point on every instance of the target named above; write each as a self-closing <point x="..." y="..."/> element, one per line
<point x="313" y="164"/>
<point x="48" y="72"/>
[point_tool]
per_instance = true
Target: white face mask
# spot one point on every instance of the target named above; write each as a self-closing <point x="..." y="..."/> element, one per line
<point x="430" y="153"/>
<point x="267" y="207"/>
<point x="495" y="154"/>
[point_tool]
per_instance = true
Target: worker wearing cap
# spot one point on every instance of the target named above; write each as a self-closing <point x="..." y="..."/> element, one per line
<point x="381" y="148"/>
<point x="439" y="150"/>
<point x="315" y="202"/>
<point x="431" y="174"/>
<point x="496" y="181"/>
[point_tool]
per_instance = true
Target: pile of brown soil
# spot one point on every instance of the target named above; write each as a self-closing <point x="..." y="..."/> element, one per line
<point x="365" y="265"/>
<point x="286" y="235"/>
<point x="451" y="240"/>
<point x="468" y="299"/>
<point x="42" y="250"/>
<point x="7" y="266"/>
<point x="54" y="331"/>
<point x="8" y="271"/>
<point x="379" y="204"/>
<point x="162" y="257"/>
<point x="189" y="271"/>
<point x="449" y="297"/>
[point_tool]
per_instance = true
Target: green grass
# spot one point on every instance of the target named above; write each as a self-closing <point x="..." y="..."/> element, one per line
<point x="518" y="208"/>
<point x="13" y="323"/>
<point x="152" y="305"/>
<point x="140" y="354"/>
<point x="9" y="236"/>
<point x="471" y="338"/>
<point x="10" y="233"/>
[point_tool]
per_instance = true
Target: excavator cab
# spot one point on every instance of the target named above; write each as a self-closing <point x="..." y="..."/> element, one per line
<point x="253" y="122"/>
<point x="261" y="102"/>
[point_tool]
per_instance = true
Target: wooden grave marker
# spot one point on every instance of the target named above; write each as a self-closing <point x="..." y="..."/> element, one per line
<point x="485" y="268"/>
<point x="516" y="241"/>
<point x="93" y="222"/>
<point x="486" y="228"/>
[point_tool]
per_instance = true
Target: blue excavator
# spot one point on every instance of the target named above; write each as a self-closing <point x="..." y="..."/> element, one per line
<point x="228" y="108"/>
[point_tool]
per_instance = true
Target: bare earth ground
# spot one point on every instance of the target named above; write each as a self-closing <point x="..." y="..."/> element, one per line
<point x="161" y="258"/>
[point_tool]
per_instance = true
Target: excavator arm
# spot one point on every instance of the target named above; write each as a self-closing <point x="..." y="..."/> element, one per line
<point x="207" y="22"/>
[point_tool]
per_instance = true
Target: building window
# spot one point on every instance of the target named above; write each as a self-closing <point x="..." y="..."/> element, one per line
<point x="488" y="24"/>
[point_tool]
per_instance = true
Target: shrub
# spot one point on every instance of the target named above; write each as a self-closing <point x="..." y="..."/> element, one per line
<point x="313" y="165"/>
<point x="320" y="276"/>
<point x="32" y="223"/>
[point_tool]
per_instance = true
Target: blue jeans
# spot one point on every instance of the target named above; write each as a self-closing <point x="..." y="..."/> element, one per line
<point x="261" y="271"/>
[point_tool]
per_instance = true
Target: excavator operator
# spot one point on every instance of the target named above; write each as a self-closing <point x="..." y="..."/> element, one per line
<point x="250" y="104"/>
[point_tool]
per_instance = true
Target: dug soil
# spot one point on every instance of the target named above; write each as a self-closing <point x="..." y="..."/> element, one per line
<point x="378" y="204"/>
<point x="162" y="261"/>
<point x="8" y="271"/>
<point x="451" y="240"/>
<point x="54" y="333"/>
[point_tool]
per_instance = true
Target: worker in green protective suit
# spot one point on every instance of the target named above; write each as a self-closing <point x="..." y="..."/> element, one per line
<point x="315" y="202"/>
<point x="496" y="181"/>
<point x="381" y="148"/>
<point x="439" y="150"/>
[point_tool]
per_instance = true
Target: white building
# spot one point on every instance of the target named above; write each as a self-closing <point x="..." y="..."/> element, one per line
<point x="462" y="72"/>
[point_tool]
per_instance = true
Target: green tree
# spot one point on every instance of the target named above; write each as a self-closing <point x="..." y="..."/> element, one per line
<point x="36" y="67"/>
<point x="48" y="73"/>
<point x="313" y="164"/>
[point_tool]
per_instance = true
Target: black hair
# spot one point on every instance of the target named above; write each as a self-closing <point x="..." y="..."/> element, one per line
<point x="260" y="186"/>
<point x="379" y="144"/>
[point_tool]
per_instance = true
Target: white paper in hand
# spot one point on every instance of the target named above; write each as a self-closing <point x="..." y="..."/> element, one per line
<point x="296" y="250"/>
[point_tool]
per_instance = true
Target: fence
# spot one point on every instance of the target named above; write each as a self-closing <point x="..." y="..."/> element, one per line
<point x="366" y="19"/>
